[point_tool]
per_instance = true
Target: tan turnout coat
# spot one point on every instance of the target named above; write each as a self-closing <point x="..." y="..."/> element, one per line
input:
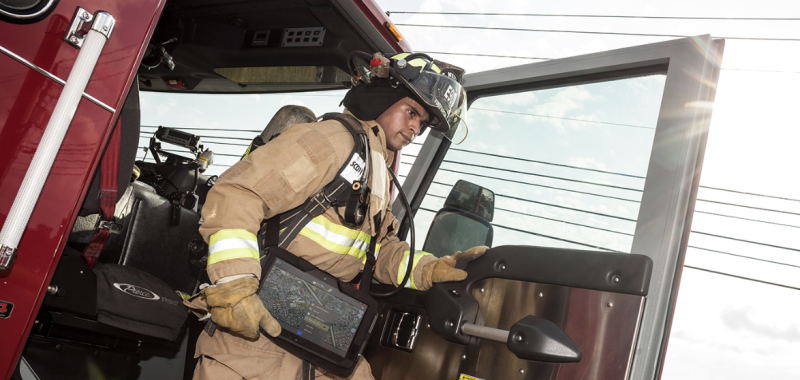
<point x="276" y="178"/>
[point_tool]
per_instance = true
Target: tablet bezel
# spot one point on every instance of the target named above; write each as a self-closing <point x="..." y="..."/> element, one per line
<point x="307" y="349"/>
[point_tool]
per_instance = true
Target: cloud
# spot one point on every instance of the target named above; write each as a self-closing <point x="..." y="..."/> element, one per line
<point x="741" y="319"/>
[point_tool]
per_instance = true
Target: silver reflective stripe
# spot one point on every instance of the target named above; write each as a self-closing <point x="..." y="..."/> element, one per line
<point x="336" y="238"/>
<point x="32" y="184"/>
<point x="232" y="243"/>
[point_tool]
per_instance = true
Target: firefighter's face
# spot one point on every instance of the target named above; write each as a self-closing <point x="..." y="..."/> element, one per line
<point x="402" y="122"/>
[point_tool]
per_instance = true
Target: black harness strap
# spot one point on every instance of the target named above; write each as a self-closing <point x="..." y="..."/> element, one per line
<point x="333" y="194"/>
<point x="308" y="370"/>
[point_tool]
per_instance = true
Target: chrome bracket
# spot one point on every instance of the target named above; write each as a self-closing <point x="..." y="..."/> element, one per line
<point x="78" y="28"/>
<point x="6" y="256"/>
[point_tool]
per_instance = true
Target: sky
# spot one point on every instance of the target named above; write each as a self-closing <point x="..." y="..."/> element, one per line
<point x="724" y="327"/>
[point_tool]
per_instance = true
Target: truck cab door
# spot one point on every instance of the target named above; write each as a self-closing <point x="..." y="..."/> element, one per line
<point x="594" y="162"/>
<point x="37" y="59"/>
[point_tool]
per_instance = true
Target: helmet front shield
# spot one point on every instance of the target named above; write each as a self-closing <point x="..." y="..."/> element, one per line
<point x="443" y="96"/>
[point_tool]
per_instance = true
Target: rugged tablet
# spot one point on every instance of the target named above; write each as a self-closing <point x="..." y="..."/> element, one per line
<point x="323" y="320"/>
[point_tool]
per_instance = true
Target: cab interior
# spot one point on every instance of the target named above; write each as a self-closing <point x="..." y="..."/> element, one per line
<point x="224" y="47"/>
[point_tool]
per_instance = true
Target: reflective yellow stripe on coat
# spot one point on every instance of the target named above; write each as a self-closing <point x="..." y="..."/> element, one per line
<point x="232" y="244"/>
<point x="401" y="271"/>
<point x="338" y="238"/>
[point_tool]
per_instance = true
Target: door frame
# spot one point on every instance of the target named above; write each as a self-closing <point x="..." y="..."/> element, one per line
<point x="692" y="67"/>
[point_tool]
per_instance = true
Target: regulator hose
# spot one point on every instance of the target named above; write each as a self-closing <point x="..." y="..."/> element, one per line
<point x="410" y="266"/>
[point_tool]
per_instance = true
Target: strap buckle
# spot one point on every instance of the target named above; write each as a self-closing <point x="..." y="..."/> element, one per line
<point x="315" y="201"/>
<point x="109" y="225"/>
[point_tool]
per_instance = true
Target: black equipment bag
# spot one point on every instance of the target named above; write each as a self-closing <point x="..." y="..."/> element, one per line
<point x="134" y="300"/>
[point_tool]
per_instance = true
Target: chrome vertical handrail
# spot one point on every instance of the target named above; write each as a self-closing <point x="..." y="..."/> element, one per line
<point x="32" y="184"/>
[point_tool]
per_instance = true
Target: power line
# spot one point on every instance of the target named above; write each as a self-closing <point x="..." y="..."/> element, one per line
<point x="552" y="205"/>
<point x="547" y="163"/>
<point x="549" y="59"/>
<point x="487" y="55"/>
<point x="746" y="193"/>
<point x="542" y="235"/>
<point x="544" y="176"/>
<point x="746" y="257"/>
<point x="750" y="220"/>
<point x="146" y="135"/>
<point x="207" y="129"/>
<point x="741" y="277"/>
<point x="550" y="219"/>
<point x="220" y="143"/>
<point x="601" y="16"/>
<point x="592" y="32"/>
<point x="745" y="241"/>
<point x="537" y="185"/>
<point x="763" y="71"/>
<point x="215" y="154"/>
<point x="563" y="118"/>
<point x="750" y="207"/>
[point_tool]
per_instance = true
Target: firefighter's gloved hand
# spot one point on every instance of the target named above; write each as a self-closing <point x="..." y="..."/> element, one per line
<point x="449" y="268"/>
<point x="235" y="306"/>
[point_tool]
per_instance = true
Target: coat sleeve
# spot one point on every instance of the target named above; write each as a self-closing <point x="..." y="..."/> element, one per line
<point x="275" y="178"/>
<point x="393" y="257"/>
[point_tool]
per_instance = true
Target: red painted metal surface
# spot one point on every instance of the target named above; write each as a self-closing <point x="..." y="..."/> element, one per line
<point x="378" y="17"/>
<point x="27" y="99"/>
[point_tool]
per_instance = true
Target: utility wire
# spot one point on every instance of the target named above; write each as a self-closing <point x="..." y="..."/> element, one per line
<point x="747" y="219"/>
<point x="544" y="176"/>
<point x="746" y="257"/>
<point x="599" y="16"/>
<point x="205" y="129"/>
<point x="215" y="154"/>
<point x="547" y="163"/>
<point x="220" y="143"/>
<point x="551" y="205"/>
<point x="550" y="219"/>
<point x="592" y="32"/>
<point x="745" y="241"/>
<point x="740" y="277"/>
<point x="145" y="134"/>
<point x="537" y="185"/>
<point x="527" y="183"/>
<point x="563" y="118"/>
<point x="746" y="193"/>
<point x="542" y="235"/>
<point x="549" y="59"/>
<point x="750" y="207"/>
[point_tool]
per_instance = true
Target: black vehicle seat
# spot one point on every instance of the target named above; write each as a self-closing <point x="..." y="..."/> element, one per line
<point x="151" y="234"/>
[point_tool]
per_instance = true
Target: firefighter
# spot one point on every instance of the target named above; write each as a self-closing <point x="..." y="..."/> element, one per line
<point x="394" y="102"/>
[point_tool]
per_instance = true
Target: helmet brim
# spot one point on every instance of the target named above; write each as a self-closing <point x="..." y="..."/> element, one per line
<point x="443" y="97"/>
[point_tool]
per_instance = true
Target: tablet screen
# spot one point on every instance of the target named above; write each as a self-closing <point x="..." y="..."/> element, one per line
<point x="311" y="308"/>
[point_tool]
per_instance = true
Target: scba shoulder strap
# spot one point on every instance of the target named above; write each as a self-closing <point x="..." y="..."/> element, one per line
<point x="348" y="189"/>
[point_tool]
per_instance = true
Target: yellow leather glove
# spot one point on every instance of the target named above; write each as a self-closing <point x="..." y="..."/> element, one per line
<point x="449" y="268"/>
<point x="235" y="306"/>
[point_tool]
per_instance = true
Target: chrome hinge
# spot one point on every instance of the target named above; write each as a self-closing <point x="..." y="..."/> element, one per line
<point x="80" y="26"/>
<point x="6" y="256"/>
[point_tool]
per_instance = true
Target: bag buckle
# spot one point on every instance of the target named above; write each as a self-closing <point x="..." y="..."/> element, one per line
<point x="311" y="206"/>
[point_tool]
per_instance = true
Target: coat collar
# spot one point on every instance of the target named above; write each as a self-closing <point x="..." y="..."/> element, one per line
<point x="377" y="140"/>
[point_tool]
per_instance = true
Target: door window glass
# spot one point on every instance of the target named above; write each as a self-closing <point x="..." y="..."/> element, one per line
<point x="567" y="165"/>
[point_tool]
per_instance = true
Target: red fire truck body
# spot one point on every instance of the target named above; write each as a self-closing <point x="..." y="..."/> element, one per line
<point x="138" y="40"/>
